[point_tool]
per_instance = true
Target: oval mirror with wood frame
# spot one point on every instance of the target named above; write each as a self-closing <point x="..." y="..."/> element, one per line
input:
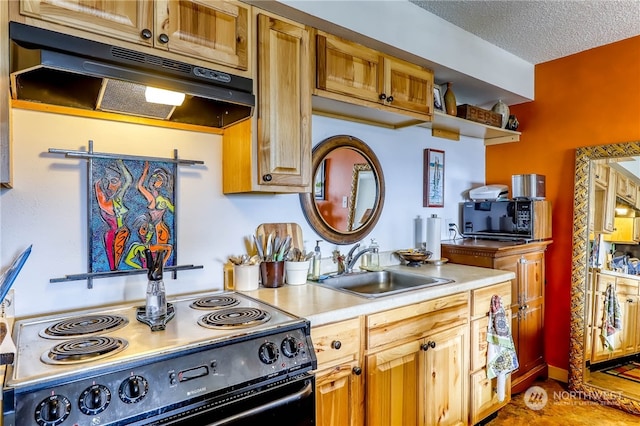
<point x="605" y="341"/>
<point x="348" y="190"/>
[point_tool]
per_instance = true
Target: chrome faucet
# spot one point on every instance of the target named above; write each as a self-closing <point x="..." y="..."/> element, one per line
<point x="353" y="258"/>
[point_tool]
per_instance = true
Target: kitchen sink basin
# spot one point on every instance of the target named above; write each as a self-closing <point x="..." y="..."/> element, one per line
<point x="381" y="283"/>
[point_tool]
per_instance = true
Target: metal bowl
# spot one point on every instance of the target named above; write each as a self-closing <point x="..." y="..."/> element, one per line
<point x="414" y="257"/>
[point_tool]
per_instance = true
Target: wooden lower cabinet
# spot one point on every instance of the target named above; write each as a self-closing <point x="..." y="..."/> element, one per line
<point x="626" y="341"/>
<point x="484" y="396"/>
<point x="527" y="261"/>
<point x="339" y="377"/>
<point x="417" y="364"/>
<point x="339" y="395"/>
<point x="421" y="382"/>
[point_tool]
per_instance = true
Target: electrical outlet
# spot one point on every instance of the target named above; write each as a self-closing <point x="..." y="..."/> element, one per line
<point x="344" y="201"/>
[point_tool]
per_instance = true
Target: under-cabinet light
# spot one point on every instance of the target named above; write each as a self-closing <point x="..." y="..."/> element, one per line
<point x="162" y="96"/>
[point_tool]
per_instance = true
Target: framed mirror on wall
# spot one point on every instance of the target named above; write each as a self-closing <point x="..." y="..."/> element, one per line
<point x="605" y="282"/>
<point x="348" y="191"/>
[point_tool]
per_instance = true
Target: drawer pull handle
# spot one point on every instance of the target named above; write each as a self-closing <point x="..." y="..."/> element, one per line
<point x="357" y="371"/>
<point x="430" y="344"/>
<point x="336" y="344"/>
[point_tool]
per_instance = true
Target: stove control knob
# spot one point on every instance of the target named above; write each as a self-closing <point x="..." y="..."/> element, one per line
<point x="290" y="347"/>
<point x="53" y="410"/>
<point x="268" y="352"/>
<point x="94" y="399"/>
<point x="133" y="389"/>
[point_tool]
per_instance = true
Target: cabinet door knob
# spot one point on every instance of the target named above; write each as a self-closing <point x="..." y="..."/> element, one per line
<point x="336" y="344"/>
<point x="163" y="38"/>
<point x="382" y="96"/>
<point x="267" y="178"/>
<point x="430" y="344"/>
<point x="146" y="34"/>
<point x="357" y="371"/>
<point x="390" y="99"/>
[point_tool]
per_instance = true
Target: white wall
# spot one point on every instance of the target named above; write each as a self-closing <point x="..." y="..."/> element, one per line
<point x="47" y="206"/>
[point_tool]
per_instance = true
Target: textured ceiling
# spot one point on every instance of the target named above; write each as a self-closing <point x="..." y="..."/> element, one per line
<point x="539" y="31"/>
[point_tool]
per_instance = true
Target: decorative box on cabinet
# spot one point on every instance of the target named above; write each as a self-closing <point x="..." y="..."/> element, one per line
<point x="339" y="377"/>
<point x="213" y="31"/>
<point x="527" y="296"/>
<point x="418" y="363"/>
<point x="271" y="152"/>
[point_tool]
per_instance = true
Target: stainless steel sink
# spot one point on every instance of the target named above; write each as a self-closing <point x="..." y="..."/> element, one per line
<point x="381" y="283"/>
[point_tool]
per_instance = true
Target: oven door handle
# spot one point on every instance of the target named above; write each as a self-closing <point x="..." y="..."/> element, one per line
<point x="301" y="394"/>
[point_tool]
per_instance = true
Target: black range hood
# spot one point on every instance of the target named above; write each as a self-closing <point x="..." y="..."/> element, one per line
<point x="59" y="69"/>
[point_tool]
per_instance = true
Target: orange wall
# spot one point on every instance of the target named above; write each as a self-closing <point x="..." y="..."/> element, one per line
<point x="590" y="98"/>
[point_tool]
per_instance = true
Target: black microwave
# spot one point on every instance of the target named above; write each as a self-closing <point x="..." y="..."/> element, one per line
<point x="528" y="220"/>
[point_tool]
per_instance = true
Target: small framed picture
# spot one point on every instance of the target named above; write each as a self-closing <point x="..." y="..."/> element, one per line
<point x="433" y="179"/>
<point x="438" y="102"/>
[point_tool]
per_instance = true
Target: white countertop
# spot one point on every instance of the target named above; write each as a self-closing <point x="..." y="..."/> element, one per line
<point x="322" y="305"/>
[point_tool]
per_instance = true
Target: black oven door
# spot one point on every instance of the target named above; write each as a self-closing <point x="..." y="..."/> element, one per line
<point x="291" y="403"/>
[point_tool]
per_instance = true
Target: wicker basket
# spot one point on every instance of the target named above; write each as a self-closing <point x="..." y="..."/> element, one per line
<point x="479" y="115"/>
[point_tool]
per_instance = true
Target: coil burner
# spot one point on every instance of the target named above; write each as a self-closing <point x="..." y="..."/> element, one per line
<point x="84" y="349"/>
<point x="234" y="318"/>
<point x="84" y="326"/>
<point x="215" y="302"/>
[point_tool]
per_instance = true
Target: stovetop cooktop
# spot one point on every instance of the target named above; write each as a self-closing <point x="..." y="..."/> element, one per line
<point x="44" y="343"/>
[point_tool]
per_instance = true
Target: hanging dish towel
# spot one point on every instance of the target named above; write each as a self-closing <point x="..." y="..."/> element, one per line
<point x="612" y="321"/>
<point x="501" y="353"/>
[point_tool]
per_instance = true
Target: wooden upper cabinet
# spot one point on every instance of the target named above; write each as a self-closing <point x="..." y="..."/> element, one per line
<point x="212" y="31"/>
<point x="271" y="152"/>
<point x="350" y="72"/>
<point x="120" y="19"/>
<point x="409" y="85"/>
<point x="284" y="108"/>
<point x="348" y="68"/>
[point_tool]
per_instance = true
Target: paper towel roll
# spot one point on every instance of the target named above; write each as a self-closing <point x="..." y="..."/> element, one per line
<point x="433" y="236"/>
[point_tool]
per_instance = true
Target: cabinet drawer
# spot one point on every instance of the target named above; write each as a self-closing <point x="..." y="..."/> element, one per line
<point x="484" y="398"/>
<point x="416" y="321"/>
<point x="622" y="285"/>
<point x="337" y="343"/>
<point x="481" y="298"/>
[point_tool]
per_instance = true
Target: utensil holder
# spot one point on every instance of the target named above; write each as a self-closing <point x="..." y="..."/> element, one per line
<point x="272" y="274"/>
<point x="245" y="277"/>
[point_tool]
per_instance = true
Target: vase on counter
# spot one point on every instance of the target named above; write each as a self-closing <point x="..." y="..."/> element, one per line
<point x="450" y="105"/>
<point x="502" y="109"/>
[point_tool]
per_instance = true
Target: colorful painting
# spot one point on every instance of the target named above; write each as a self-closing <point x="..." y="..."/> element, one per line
<point x="433" y="179"/>
<point x="132" y="207"/>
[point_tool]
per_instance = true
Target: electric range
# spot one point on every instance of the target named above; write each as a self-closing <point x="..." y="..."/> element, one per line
<point x="221" y="355"/>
